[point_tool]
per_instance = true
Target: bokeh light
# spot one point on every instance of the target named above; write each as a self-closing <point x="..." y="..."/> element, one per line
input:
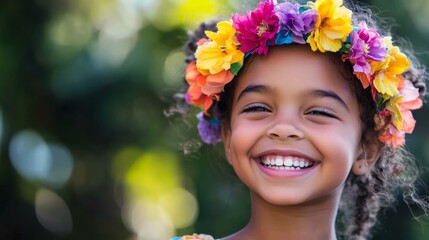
<point x="53" y="212"/>
<point x="173" y="67"/>
<point x="118" y="28"/>
<point x="37" y="160"/>
<point x="181" y="206"/>
<point x="30" y="155"/>
<point x="156" y="202"/>
<point x="60" y="28"/>
<point x="147" y="220"/>
<point x="61" y="165"/>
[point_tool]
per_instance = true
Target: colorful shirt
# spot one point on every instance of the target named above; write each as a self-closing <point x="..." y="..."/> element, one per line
<point x="194" y="237"/>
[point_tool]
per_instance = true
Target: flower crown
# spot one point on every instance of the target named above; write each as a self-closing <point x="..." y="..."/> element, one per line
<point x="326" y="26"/>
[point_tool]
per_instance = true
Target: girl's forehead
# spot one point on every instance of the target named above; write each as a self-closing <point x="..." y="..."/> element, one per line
<point x="295" y="64"/>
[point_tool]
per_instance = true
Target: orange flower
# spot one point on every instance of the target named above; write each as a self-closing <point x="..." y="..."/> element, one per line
<point x="215" y="83"/>
<point x="392" y="136"/>
<point x="194" y="94"/>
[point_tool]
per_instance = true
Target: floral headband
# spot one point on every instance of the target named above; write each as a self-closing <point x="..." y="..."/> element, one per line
<point x="326" y="26"/>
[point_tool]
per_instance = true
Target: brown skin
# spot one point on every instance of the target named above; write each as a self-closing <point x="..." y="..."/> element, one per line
<point x="288" y="120"/>
<point x="270" y="221"/>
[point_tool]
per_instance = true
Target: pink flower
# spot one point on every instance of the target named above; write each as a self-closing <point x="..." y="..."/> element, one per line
<point x="366" y="45"/>
<point x="257" y="30"/>
<point x="400" y="115"/>
<point x="410" y="101"/>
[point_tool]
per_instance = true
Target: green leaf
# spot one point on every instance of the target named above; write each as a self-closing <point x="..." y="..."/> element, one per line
<point x="235" y="68"/>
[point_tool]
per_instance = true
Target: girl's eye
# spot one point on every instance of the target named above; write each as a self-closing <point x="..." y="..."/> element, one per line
<point x="256" y="107"/>
<point x="321" y="112"/>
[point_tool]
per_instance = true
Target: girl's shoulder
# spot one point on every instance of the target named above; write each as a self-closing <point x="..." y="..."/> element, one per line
<point x="194" y="237"/>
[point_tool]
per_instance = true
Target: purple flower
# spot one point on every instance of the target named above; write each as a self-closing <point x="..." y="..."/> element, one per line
<point x="209" y="130"/>
<point x="366" y="44"/>
<point x="257" y="29"/>
<point x="295" y="22"/>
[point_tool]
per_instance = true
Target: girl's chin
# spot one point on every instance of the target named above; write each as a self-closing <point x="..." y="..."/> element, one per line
<point x="284" y="200"/>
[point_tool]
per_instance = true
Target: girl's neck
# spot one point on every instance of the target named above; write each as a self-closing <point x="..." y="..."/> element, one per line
<point x="309" y="221"/>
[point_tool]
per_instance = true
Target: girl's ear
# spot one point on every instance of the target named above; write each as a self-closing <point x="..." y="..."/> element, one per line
<point x="226" y="137"/>
<point x="368" y="156"/>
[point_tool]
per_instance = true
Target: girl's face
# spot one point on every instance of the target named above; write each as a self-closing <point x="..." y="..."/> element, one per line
<point x="293" y="107"/>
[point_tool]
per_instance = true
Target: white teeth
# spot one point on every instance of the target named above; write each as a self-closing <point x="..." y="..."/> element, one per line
<point x="285" y="163"/>
<point x="288" y="162"/>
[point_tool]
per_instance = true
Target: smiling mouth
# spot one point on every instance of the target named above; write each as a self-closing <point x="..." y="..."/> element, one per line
<point x="285" y="163"/>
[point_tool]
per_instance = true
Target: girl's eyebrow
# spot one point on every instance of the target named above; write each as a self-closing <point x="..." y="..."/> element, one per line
<point x="319" y="93"/>
<point x="253" y="88"/>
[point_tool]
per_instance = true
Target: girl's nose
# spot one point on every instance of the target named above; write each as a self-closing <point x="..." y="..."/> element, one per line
<point x="284" y="129"/>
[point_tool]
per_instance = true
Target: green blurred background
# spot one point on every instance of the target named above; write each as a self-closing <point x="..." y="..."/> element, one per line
<point x="86" y="151"/>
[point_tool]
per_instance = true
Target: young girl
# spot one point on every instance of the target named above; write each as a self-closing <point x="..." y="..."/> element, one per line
<point x="312" y="105"/>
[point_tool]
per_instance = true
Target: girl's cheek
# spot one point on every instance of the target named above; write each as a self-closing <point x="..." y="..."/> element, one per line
<point x="243" y="129"/>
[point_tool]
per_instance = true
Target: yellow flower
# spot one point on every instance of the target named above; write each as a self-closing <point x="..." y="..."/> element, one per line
<point x="395" y="111"/>
<point x="219" y="53"/>
<point x="332" y="27"/>
<point x="390" y="69"/>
